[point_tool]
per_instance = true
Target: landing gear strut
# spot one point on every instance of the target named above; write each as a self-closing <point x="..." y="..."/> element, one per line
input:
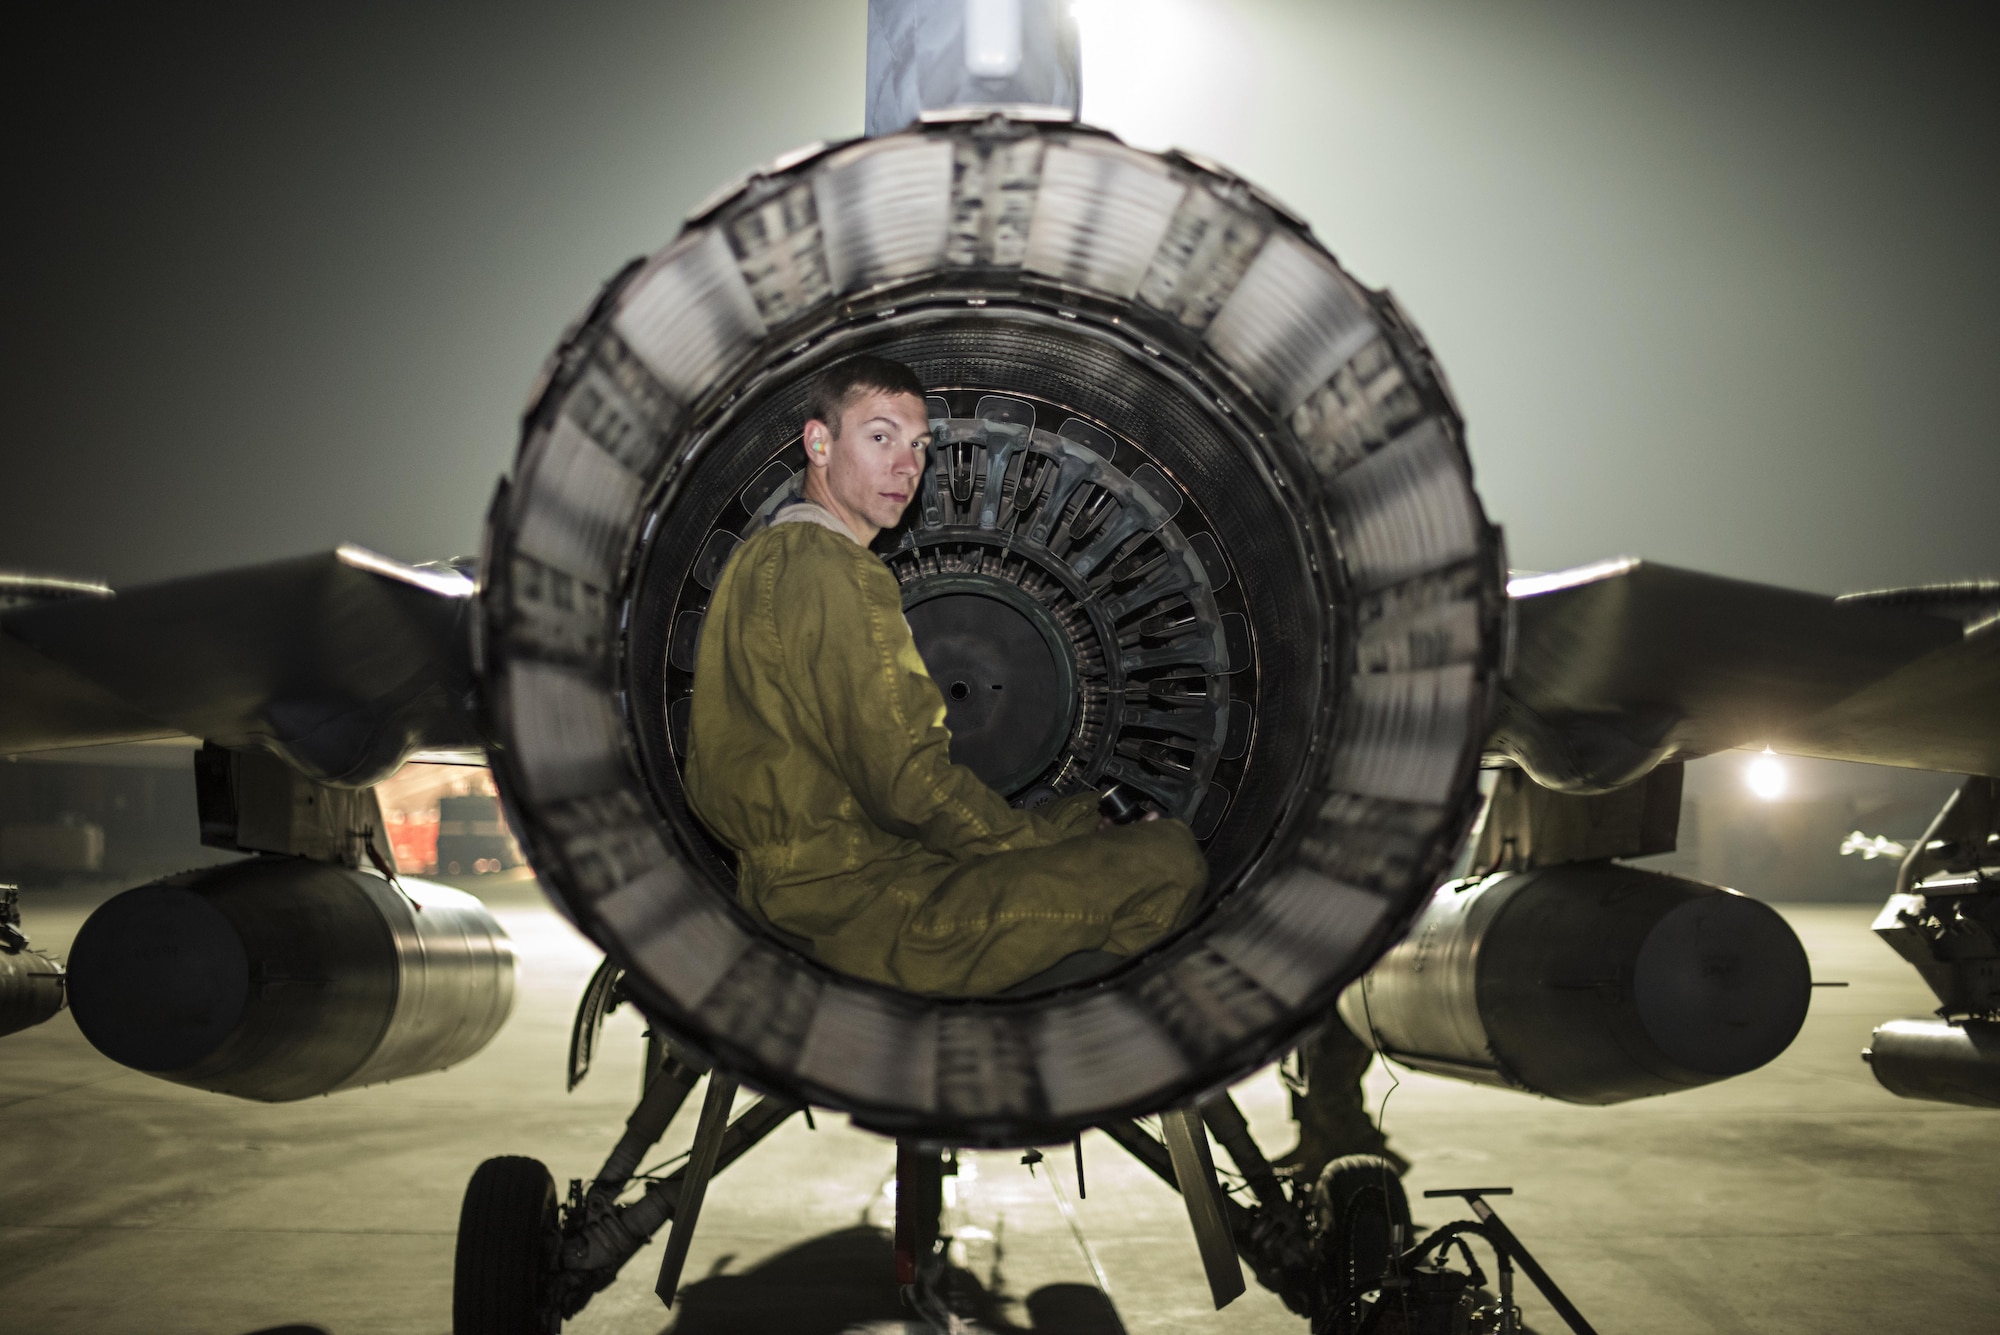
<point x="524" y="1269"/>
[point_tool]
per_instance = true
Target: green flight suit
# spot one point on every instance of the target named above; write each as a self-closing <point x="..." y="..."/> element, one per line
<point x="818" y="752"/>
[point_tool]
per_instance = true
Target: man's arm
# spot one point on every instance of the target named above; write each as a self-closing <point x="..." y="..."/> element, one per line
<point x="840" y="618"/>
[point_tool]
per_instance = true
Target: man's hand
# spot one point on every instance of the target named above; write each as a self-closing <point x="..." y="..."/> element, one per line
<point x="1105" y="822"/>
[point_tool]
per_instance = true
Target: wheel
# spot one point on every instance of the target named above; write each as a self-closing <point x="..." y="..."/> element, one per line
<point x="506" y="1236"/>
<point x="1359" y="1203"/>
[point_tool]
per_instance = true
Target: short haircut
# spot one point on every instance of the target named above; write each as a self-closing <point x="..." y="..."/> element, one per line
<point x="836" y="388"/>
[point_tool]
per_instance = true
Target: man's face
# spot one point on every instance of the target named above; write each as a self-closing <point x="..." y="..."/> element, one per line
<point x="873" y="465"/>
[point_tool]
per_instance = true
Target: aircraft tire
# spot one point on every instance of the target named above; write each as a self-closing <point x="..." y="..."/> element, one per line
<point x="506" y="1234"/>
<point x="1359" y="1201"/>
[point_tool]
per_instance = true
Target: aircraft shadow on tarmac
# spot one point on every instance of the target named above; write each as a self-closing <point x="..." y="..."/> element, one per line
<point x="843" y="1281"/>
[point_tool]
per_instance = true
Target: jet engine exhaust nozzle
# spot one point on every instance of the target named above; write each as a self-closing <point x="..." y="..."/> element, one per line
<point x="1197" y="518"/>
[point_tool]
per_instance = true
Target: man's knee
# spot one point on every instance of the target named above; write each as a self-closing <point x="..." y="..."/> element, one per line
<point x="1162" y="853"/>
<point x="1163" y="862"/>
<point x="1184" y="860"/>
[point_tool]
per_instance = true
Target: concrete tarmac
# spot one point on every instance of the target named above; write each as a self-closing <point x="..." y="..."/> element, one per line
<point x="1801" y="1198"/>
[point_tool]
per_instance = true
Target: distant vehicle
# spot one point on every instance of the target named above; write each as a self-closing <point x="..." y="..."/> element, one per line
<point x="472" y="837"/>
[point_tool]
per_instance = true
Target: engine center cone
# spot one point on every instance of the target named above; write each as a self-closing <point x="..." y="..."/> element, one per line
<point x="1197" y="520"/>
<point x="1005" y="700"/>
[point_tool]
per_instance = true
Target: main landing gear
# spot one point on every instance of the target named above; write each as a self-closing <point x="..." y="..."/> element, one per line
<point x="526" y="1264"/>
<point x="1338" y="1250"/>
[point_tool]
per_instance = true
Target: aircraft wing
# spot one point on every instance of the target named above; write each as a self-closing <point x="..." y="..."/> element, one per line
<point x="1623" y="664"/>
<point x="44" y="705"/>
<point x="344" y="663"/>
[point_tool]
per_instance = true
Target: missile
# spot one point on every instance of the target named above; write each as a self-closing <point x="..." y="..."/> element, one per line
<point x="31" y="989"/>
<point x="1948" y="1061"/>
<point x="31" y="981"/>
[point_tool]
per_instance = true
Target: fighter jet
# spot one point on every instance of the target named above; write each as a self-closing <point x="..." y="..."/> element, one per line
<point x="1198" y="521"/>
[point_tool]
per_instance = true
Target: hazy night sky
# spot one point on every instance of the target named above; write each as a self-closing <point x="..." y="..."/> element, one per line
<point x="1716" y="284"/>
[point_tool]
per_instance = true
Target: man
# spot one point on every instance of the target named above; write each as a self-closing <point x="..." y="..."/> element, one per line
<point x="1328" y="1104"/>
<point x="818" y="749"/>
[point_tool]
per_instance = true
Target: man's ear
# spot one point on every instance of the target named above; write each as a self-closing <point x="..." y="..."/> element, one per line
<point x="817" y="435"/>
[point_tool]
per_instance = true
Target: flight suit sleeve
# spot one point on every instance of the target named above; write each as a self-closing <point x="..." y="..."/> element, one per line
<point x="840" y="616"/>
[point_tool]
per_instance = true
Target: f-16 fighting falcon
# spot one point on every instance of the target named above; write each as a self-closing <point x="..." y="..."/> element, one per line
<point x="929" y="498"/>
<point x="818" y="749"/>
